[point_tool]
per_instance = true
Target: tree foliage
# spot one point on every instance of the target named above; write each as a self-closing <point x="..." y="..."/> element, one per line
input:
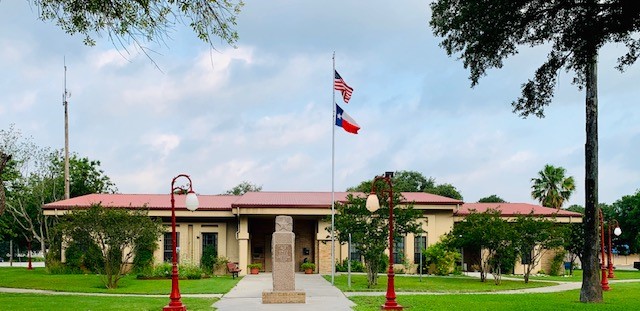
<point x="370" y="231"/>
<point x="494" y="198"/>
<point x="551" y="188"/>
<point x="440" y="258"/>
<point x="627" y="211"/>
<point x="534" y="236"/>
<point x="484" y="33"/>
<point x="115" y="231"/>
<point x="243" y="188"/>
<point x="135" y="21"/>
<point x="484" y="232"/>
<point x="412" y="181"/>
<point x="35" y="176"/>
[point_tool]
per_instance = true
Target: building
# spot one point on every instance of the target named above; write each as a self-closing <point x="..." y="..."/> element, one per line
<point x="240" y="227"/>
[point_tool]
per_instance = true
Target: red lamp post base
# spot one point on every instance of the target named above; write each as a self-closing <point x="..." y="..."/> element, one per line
<point x="179" y="307"/>
<point x="389" y="307"/>
<point x="605" y="282"/>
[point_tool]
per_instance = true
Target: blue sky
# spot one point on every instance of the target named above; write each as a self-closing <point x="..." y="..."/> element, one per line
<point x="263" y="112"/>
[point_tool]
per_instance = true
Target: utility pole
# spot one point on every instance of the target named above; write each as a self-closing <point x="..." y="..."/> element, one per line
<point x="65" y="95"/>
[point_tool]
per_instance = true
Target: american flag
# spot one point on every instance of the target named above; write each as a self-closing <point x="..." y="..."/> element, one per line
<point x="340" y="85"/>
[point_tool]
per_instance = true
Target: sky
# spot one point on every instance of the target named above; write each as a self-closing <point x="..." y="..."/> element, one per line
<point x="262" y="112"/>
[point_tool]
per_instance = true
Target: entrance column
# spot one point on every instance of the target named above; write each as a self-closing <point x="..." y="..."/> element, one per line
<point x="243" y="245"/>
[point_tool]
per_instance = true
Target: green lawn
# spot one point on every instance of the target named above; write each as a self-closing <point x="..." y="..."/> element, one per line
<point x="90" y="283"/>
<point x="577" y="276"/>
<point x="29" y="302"/>
<point x="459" y="284"/>
<point x="622" y="297"/>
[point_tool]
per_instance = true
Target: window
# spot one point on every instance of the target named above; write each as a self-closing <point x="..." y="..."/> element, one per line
<point x="398" y="249"/>
<point x="210" y="240"/>
<point x="527" y="258"/>
<point x="354" y="252"/>
<point x="168" y="246"/>
<point x="419" y="245"/>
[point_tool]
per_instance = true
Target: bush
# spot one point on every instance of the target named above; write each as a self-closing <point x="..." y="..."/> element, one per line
<point x="209" y="258"/>
<point x="189" y="271"/>
<point x="143" y="253"/>
<point x="557" y="263"/>
<point x="356" y="266"/>
<point x="440" y="260"/>
<point x="384" y="263"/>
<point x="84" y="257"/>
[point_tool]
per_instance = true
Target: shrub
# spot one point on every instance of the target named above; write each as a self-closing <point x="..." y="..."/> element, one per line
<point x="440" y="260"/>
<point x="189" y="271"/>
<point x="143" y="253"/>
<point x="557" y="263"/>
<point x="356" y="266"/>
<point x="384" y="263"/>
<point x="209" y="258"/>
<point x="84" y="257"/>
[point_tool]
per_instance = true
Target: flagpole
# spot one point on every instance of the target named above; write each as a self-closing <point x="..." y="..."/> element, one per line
<point x="333" y="153"/>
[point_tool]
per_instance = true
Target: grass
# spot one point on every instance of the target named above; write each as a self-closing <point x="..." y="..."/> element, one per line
<point x="461" y="284"/>
<point x="577" y="276"/>
<point x="624" y="296"/>
<point x="90" y="283"/>
<point x="28" y="302"/>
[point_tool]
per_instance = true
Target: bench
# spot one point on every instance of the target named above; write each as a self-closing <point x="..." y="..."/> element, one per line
<point x="232" y="267"/>
<point x="636" y="264"/>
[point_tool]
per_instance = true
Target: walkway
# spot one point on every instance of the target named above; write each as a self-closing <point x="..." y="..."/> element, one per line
<point x="321" y="295"/>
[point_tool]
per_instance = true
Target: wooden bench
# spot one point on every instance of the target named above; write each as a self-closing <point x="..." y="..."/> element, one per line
<point x="232" y="267"/>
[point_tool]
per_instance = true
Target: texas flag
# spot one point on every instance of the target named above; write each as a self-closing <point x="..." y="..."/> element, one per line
<point x="344" y="121"/>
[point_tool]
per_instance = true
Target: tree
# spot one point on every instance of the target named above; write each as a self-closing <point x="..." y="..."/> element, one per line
<point x="627" y="211"/>
<point x="34" y="177"/>
<point x="412" y="181"/>
<point x="534" y="237"/>
<point x="445" y="190"/>
<point x="115" y="231"/>
<point x="243" y="188"/>
<point x="573" y="241"/>
<point x="485" y="234"/>
<point x="576" y="208"/>
<point x="403" y="181"/>
<point x="487" y="32"/>
<point x="370" y="231"/>
<point x="135" y="21"/>
<point x="494" y="198"/>
<point x="551" y="188"/>
<point x="4" y="160"/>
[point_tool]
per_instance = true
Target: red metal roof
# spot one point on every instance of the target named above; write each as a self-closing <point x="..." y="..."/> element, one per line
<point x="513" y="209"/>
<point x="226" y="202"/>
<point x="151" y="201"/>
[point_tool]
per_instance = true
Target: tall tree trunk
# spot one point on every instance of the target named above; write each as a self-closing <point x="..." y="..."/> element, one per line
<point x="591" y="290"/>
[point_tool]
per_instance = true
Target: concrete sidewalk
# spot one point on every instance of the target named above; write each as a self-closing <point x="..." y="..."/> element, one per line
<point x="247" y="295"/>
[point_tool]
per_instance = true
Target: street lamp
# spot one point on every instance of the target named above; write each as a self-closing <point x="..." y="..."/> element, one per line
<point x="191" y="202"/>
<point x="603" y="282"/>
<point x="373" y="204"/>
<point x="617" y="231"/>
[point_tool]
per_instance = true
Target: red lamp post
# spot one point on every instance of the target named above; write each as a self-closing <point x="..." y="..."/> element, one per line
<point x="191" y="203"/>
<point x="603" y="282"/>
<point x="617" y="231"/>
<point x="29" y="267"/>
<point x="373" y="204"/>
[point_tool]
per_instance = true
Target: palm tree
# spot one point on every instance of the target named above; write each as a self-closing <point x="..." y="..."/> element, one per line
<point x="551" y="188"/>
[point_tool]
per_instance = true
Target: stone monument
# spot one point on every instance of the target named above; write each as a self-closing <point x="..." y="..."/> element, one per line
<point x="284" y="278"/>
